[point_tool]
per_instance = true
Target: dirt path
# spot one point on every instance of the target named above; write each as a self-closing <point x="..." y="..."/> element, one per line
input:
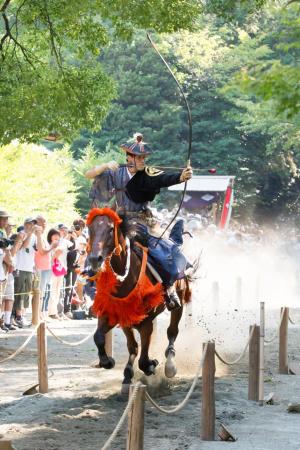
<point x="84" y="404"/>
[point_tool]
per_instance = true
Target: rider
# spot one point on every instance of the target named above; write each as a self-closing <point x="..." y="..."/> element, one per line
<point x="132" y="186"/>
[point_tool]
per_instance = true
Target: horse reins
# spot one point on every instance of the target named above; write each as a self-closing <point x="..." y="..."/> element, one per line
<point x="118" y="247"/>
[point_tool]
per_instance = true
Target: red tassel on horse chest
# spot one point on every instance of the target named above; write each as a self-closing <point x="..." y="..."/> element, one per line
<point x="130" y="310"/>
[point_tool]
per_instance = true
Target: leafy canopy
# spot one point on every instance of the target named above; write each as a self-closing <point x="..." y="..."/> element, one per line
<point x="34" y="180"/>
<point x="51" y="79"/>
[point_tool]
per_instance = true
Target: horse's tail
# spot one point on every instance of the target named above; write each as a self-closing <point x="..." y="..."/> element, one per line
<point x="192" y="274"/>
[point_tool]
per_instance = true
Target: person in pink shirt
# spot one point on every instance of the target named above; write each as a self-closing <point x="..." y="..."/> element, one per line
<point x="43" y="263"/>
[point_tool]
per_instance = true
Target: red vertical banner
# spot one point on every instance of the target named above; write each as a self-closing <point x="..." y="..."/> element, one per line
<point x="226" y="211"/>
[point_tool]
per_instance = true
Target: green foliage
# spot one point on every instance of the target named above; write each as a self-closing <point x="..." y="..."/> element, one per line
<point x="34" y="180"/>
<point x="148" y="101"/>
<point x="265" y="91"/>
<point x="50" y="78"/>
<point x="233" y="130"/>
<point x="88" y="159"/>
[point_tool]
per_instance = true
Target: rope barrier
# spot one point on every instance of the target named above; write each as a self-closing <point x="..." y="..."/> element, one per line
<point x="21" y="347"/>
<point x="231" y="363"/>
<point x="71" y="344"/>
<point x="187" y="397"/>
<point x="292" y="321"/>
<point x="123" y="417"/>
<point x="48" y="290"/>
<point x="269" y="341"/>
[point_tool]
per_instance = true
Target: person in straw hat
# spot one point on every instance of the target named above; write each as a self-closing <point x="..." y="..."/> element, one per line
<point x="129" y="188"/>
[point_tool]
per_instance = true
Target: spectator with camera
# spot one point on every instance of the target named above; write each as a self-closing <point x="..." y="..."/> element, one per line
<point x="25" y="266"/>
<point x="66" y="244"/>
<point x="8" y="298"/>
<point x="8" y="249"/>
<point x="71" y="275"/>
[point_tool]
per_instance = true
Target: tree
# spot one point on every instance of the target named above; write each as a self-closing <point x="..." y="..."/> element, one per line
<point x="50" y="77"/>
<point x="265" y="90"/>
<point x="34" y="180"/>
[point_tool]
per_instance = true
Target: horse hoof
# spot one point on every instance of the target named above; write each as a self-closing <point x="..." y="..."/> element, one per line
<point x="170" y="370"/>
<point x="170" y="366"/>
<point x="154" y="362"/>
<point x="108" y="363"/>
<point x="125" y="389"/>
<point x="150" y="370"/>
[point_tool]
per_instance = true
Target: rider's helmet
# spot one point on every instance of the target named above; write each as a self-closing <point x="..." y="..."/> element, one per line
<point x="136" y="146"/>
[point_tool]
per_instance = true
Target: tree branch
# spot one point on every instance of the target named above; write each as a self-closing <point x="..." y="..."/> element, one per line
<point x="5" y="5"/>
<point x="52" y="38"/>
<point x="290" y="2"/>
<point x="11" y="37"/>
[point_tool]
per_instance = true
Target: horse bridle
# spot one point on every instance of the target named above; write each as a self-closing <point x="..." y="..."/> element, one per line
<point x="118" y="248"/>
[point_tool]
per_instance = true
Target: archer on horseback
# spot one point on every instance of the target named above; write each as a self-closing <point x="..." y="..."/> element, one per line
<point x="133" y="186"/>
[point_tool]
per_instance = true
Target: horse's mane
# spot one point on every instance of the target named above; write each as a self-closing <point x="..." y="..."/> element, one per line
<point x="127" y="228"/>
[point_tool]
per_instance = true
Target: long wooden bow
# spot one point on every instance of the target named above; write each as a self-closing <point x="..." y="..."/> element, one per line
<point x="188" y="163"/>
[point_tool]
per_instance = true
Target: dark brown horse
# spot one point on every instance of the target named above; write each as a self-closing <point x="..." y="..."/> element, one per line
<point x="127" y="293"/>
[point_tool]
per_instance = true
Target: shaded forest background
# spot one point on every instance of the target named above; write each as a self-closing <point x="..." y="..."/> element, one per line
<point x="241" y="78"/>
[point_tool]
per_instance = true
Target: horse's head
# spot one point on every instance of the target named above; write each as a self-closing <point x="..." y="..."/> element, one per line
<point x="104" y="235"/>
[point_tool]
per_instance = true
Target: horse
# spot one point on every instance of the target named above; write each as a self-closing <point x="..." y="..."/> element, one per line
<point x="127" y="293"/>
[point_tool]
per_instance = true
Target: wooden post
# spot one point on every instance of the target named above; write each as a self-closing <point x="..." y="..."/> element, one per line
<point x="42" y="358"/>
<point x="253" y="383"/>
<point x="257" y="287"/>
<point x="238" y="292"/>
<point x="215" y="295"/>
<point x="283" y="342"/>
<point x="6" y="445"/>
<point x="261" y="354"/>
<point x="208" y="394"/>
<point x="109" y="343"/>
<point x="35" y="305"/>
<point x="135" y="435"/>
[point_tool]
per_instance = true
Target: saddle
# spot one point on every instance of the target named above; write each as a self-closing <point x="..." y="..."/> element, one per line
<point x="164" y="255"/>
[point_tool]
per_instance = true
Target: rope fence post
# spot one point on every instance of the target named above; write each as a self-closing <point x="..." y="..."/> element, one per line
<point x="238" y="292"/>
<point x="135" y="435"/>
<point x="261" y="354"/>
<point x="283" y="342"/>
<point x="109" y="343"/>
<point x="42" y="358"/>
<point x="208" y="411"/>
<point x="215" y="295"/>
<point x="253" y="381"/>
<point x="35" y="304"/>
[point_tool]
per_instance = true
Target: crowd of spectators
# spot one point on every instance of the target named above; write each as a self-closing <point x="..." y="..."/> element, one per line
<point x="49" y="260"/>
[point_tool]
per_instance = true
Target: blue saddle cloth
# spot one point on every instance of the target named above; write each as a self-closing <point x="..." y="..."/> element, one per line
<point x="165" y="255"/>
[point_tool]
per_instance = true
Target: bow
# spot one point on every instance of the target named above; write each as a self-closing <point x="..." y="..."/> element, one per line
<point x="190" y="130"/>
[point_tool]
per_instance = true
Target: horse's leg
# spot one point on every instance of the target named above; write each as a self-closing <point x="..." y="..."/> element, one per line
<point x="172" y="332"/>
<point x="145" y="364"/>
<point x="107" y="362"/>
<point x="132" y="346"/>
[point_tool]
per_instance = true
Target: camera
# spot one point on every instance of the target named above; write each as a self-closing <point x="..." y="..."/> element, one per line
<point x="5" y="243"/>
